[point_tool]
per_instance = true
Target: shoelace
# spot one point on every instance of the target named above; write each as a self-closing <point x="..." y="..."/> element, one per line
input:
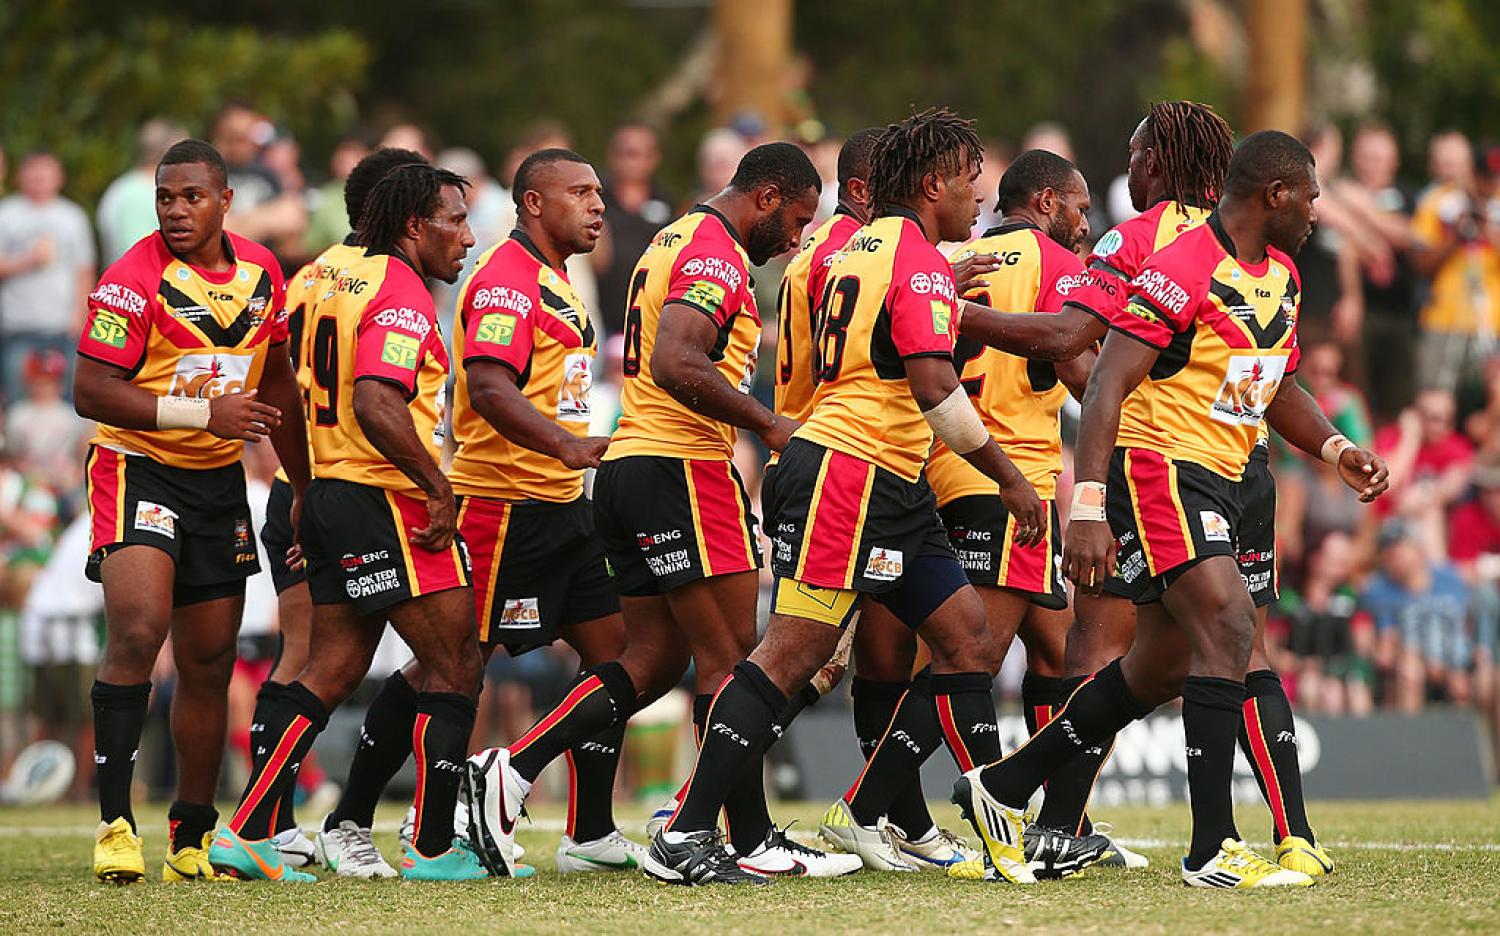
<point x="359" y="846"/>
<point x="710" y="852"/>
<point x="952" y="840"/>
<point x="1240" y="856"/>
<point x="782" y="840"/>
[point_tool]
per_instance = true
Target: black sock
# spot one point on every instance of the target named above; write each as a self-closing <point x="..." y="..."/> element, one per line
<point x="1098" y="709"/>
<point x="603" y="696"/>
<point x="384" y="744"/>
<point x="965" y="704"/>
<point x="908" y="740"/>
<point x="592" y="766"/>
<point x="1268" y="736"/>
<point x="292" y="718"/>
<point x="1071" y="785"/>
<point x="285" y="816"/>
<point x="1211" y="716"/>
<point x="799" y="700"/>
<point x="440" y="742"/>
<point x="735" y="730"/>
<point x="187" y="823"/>
<point x="874" y="704"/>
<point x="119" y="719"/>
<point x="1039" y="695"/>
<point x="746" y="814"/>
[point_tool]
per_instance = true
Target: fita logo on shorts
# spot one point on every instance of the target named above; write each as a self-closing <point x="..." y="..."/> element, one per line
<point x="207" y="376"/>
<point x="1215" y="527"/>
<point x="154" y="518"/>
<point x="883" y="565"/>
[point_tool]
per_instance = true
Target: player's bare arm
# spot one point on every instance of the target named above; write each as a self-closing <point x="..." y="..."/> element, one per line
<point x="495" y="396"/>
<point x="104" y="393"/>
<point x="386" y="421"/>
<point x="278" y="388"/>
<point x="933" y="382"/>
<point x="1059" y="337"/>
<point x="1296" y="416"/>
<point x="1074" y="373"/>
<point x="1088" y="546"/>
<point x="681" y="366"/>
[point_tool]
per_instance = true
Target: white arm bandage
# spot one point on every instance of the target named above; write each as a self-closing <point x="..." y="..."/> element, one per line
<point x="1334" y="446"/>
<point x="181" y="413"/>
<point x="1088" y="501"/>
<point x="956" y="424"/>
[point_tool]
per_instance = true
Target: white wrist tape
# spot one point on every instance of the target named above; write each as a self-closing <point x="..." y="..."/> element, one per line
<point x="1333" y="447"/>
<point x="1088" y="501"/>
<point x="173" y="412"/>
<point x="956" y="424"/>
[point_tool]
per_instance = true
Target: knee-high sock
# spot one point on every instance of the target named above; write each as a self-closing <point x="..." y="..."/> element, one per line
<point x="795" y="703"/>
<point x="592" y="766"/>
<point x="440" y="742"/>
<point x="965" y="704"/>
<point x="384" y="745"/>
<point x="603" y="696"/>
<point x="1069" y="787"/>
<point x="1100" y="707"/>
<point x="286" y="812"/>
<point x="910" y="737"/>
<point x="875" y="703"/>
<point x="735" y="729"/>
<point x="119" y="719"/>
<point x="1268" y="736"/>
<point x="1211" y="717"/>
<point x="292" y="718"/>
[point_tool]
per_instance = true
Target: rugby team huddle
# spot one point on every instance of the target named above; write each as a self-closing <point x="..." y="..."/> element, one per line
<point x="915" y="452"/>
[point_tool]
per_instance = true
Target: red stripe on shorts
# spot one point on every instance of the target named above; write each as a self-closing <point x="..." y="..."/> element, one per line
<point x="104" y="498"/>
<point x="837" y="514"/>
<point x="1159" y="511"/>
<point x="434" y="571"/>
<point x="721" y="522"/>
<point x="481" y="523"/>
<point x="1027" y="568"/>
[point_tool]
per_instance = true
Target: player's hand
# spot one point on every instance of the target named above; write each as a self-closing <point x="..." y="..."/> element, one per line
<point x="294" y="560"/>
<point x="585" y="452"/>
<point x="241" y="416"/>
<point x="1088" y="554"/>
<point x="442" y="522"/>
<point x="779" y="433"/>
<point x="968" y="271"/>
<point x="1019" y="497"/>
<point x="1365" y="472"/>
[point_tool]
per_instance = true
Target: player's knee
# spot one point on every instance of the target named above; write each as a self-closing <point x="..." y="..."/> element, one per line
<point x="133" y="640"/>
<point x="1231" y="637"/>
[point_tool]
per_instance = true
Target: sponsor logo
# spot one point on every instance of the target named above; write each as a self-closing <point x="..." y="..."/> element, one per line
<point x="1143" y="312"/>
<point x="381" y="580"/>
<point x="864" y="243"/>
<point x="206" y="376"/>
<point x="573" y="392"/>
<point x="666" y="239"/>
<point x="722" y="729"/>
<point x="1112" y="241"/>
<point x="120" y="298"/>
<point x="520" y="614"/>
<point x="1163" y="290"/>
<point x="1215" y="527"/>
<point x="939" y="284"/>
<point x="782" y="549"/>
<point x="400" y="351"/>
<point x="647" y="540"/>
<point x="409" y="320"/>
<point x="1250" y="384"/>
<point x="344" y="283"/>
<point x="1289" y="307"/>
<point x="976" y="560"/>
<point x="109" y="328"/>
<point x="1131" y="567"/>
<point x="1256" y="582"/>
<point x="921" y="283"/>
<point x="1256" y="556"/>
<point x="501" y="297"/>
<point x="1066" y="724"/>
<point x="349" y="562"/>
<point x="496" y="328"/>
<point x="1066" y="284"/>
<point x="883" y="565"/>
<point x="906" y="739"/>
<point x="222" y="296"/>
<point x="747" y="381"/>
<point x="154" y="518"/>
<point x="705" y="293"/>
<point x="980" y="728"/>
<point x="242" y="533"/>
<point x="670" y="564"/>
<point x="942" y="317"/>
<point x="715" y="268"/>
<point x="255" y="308"/>
<point x="968" y="535"/>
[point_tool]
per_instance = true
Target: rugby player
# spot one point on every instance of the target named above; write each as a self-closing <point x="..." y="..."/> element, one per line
<point x="183" y="358"/>
<point x="379" y="529"/>
<point x="293" y="606"/>
<point x="1210" y="326"/>
<point x="850" y="510"/>
<point x="672" y="514"/>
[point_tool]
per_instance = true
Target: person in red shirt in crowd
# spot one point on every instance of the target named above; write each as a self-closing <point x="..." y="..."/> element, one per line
<point x="1474" y="547"/>
<point x="1430" y="462"/>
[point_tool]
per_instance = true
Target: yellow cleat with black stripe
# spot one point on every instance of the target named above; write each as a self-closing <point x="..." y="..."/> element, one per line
<point x="118" y="858"/>
<point x="1000" y="827"/>
<point x="1237" y="867"/>
<point x="1299" y="854"/>
<point x="191" y="863"/>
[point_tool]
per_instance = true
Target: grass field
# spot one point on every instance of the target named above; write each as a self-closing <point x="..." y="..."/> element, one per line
<point x="1424" y="866"/>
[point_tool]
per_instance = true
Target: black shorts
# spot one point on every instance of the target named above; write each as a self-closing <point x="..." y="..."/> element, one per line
<point x="199" y="517"/>
<point x="357" y="540"/>
<point x="537" y="567"/>
<point x="840" y="522"/>
<point x="276" y="536"/>
<point x="665" y="522"/>
<point x="1187" y="514"/>
<point x="1257" y="529"/>
<point x="981" y="531"/>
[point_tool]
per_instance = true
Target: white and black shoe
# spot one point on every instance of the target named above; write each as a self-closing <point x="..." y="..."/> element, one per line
<point x="698" y="858"/>
<point x="781" y="855"/>
<point x="496" y="796"/>
<point x="1052" y="855"/>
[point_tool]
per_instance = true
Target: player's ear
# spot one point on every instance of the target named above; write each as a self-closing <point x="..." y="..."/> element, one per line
<point x="531" y="200"/>
<point x="226" y="198"/>
<point x="933" y="185"/>
<point x="769" y="197"/>
<point x="1046" y="200"/>
<point x="859" y="191"/>
<point x="414" y="227"/>
<point x="1275" y="193"/>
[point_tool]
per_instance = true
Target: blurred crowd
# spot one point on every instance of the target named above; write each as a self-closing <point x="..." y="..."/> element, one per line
<point x="1396" y="607"/>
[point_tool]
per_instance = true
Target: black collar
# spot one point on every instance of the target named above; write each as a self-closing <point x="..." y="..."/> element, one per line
<point x="901" y="211"/>
<point x="524" y="239"/>
<point x="847" y="212"/>
<point x="709" y="209"/>
<point x="1009" y="226"/>
<point x="350" y="240"/>
<point x="1216" y="224"/>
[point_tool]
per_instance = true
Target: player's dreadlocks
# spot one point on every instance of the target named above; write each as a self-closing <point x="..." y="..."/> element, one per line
<point x="406" y="192"/>
<point x="932" y="141"/>
<point x="1194" y="145"/>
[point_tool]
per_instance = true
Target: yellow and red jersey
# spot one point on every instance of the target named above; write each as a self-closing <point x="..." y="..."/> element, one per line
<point x="375" y="322"/>
<point x="889" y="295"/>
<point x="696" y="261"/>
<point x="1227" y="333"/>
<point x="517" y="310"/>
<point x="181" y="331"/>
<point x="798" y="309"/>
<point x="1018" y="400"/>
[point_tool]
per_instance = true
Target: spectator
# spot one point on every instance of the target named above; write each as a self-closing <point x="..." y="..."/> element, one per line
<point x="260" y="210"/>
<point x="42" y="431"/>
<point x="635" y="208"/>
<point x="719" y="154"/>
<point x="127" y="209"/>
<point x="492" y="216"/>
<point x="408" y="136"/>
<point x="1321" y="373"/>
<point x="48" y="268"/>
<point x="1331" y="301"/>
<point x="282" y="157"/>
<point x="1419" y="607"/>
<point x="1429" y="462"/>
<point x="1474" y="547"/>
<point x="1456" y="238"/>
<point x="1332" y="645"/>
<point x="328" y="222"/>
<point x="996" y="159"/>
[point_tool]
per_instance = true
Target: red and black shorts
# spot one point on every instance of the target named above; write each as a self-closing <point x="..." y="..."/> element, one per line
<point x="1167" y="516"/>
<point x="538" y="567"/>
<point x="276" y="536"/>
<point x="199" y="517"/>
<point x="1257" y="529"/>
<point x="357" y="540"/>
<point x="840" y="522"/>
<point x="983" y="533"/>
<point x="665" y="522"/>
